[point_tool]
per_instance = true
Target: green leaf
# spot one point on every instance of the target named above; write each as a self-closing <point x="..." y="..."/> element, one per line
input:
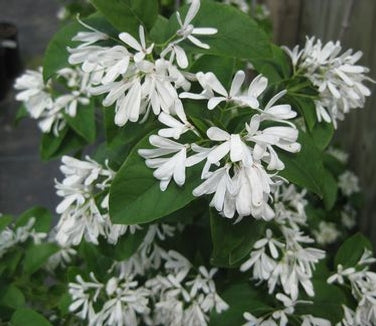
<point x="126" y="246"/>
<point x="327" y="302"/>
<point x="5" y="220"/>
<point x="157" y="33"/>
<point x="351" y="250"/>
<point x="22" y="317"/>
<point x="275" y="68"/>
<point x="43" y="218"/>
<point x="222" y="66"/>
<point x="135" y="195"/>
<point x="128" y="15"/>
<point x="64" y="303"/>
<point x="56" y="55"/>
<point x="12" y="297"/>
<point x="329" y="187"/>
<point x="304" y="106"/>
<point x="55" y="146"/>
<point x="322" y="134"/>
<point x="37" y="255"/>
<point x="94" y="259"/>
<point x="238" y="35"/>
<point x="84" y="121"/>
<point x="304" y="168"/>
<point x="233" y="242"/>
<point x="241" y="298"/>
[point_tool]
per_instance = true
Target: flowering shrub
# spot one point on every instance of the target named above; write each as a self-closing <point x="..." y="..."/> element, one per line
<point x="211" y="195"/>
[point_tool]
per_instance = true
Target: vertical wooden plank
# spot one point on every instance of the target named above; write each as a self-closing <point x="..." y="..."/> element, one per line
<point x="285" y="15"/>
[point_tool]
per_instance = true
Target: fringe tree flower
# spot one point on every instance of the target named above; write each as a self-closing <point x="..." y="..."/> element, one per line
<point x="338" y="78"/>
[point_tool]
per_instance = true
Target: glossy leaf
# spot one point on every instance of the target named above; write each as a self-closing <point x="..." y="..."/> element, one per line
<point x="22" y="317"/>
<point x="135" y="195"/>
<point x="233" y="242"/>
<point x="351" y="250"/>
<point x="37" y="255"/>
<point x="127" y="15"/>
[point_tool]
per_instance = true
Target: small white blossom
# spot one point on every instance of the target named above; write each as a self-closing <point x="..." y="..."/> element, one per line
<point x="348" y="182"/>
<point x="327" y="233"/>
<point x="188" y="31"/>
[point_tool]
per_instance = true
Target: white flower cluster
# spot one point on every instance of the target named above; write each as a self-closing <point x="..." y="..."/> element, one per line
<point x="41" y="104"/>
<point x="348" y="183"/>
<point x="362" y="282"/>
<point x="242" y="185"/>
<point x="137" y="81"/>
<point x="285" y="260"/>
<point x="281" y="317"/>
<point x="81" y="215"/>
<point x="11" y="236"/>
<point x="133" y="79"/>
<point x="339" y="79"/>
<point x="326" y="234"/>
<point x="172" y="295"/>
<point x="241" y="4"/>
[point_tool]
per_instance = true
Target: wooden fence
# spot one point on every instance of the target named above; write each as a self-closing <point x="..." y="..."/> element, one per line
<point x="354" y="23"/>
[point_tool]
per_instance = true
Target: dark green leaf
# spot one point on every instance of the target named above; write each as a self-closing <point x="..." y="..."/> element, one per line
<point x="37" y="255"/>
<point x="351" y="250"/>
<point x="238" y="35"/>
<point x="43" y="218"/>
<point x="5" y="220"/>
<point x="84" y="122"/>
<point x="12" y="297"/>
<point x="275" y="68"/>
<point x="241" y="298"/>
<point x="135" y="195"/>
<point x="304" y="168"/>
<point x="126" y="246"/>
<point x="322" y="134"/>
<point x="233" y="242"/>
<point x="327" y="302"/>
<point x="22" y="317"/>
<point x="56" y="55"/>
<point x="128" y="15"/>
<point x="66" y="142"/>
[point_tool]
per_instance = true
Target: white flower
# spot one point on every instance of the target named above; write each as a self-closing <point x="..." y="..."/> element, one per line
<point x="348" y="182"/>
<point x="138" y="46"/>
<point x="177" y="53"/>
<point x="327" y="233"/>
<point x="126" y="302"/>
<point x="176" y="127"/>
<point x="187" y="30"/>
<point x="204" y="81"/>
<point x="338" y="154"/>
<point x="82" y="297"/>
<point x="341" y="273"/>
<point x="338" y="78"/>
<point x="309" y="320"/>
<point x="166" y="167"/>
<point x="33" y="93"/>
<point x="231" y="144"/>
<point x="270" y="242"/>
<point x="253" y="184"/>
<point x="281" y="136"/>
<point x="241" y="4"/>
<point x="88" y="38"/>
<point x="234" y="94"/>
<point x="220" y="183"/>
